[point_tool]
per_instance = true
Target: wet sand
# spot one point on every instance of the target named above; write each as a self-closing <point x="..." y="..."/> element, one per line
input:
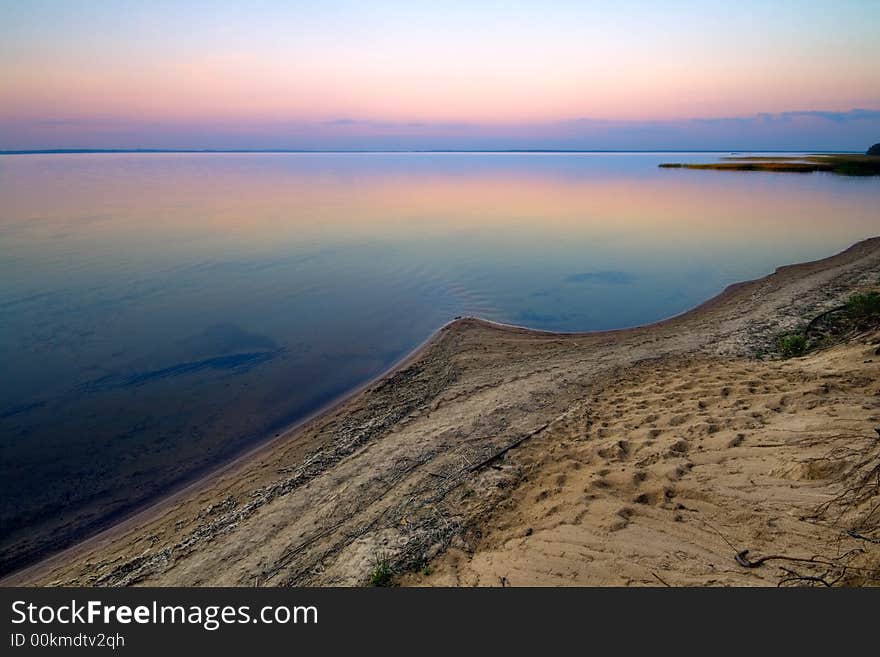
<point x="414" y="470"/>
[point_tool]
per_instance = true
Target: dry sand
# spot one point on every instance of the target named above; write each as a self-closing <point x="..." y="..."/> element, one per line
<point x="648" y="456"/>
<point x="662" y="475"/>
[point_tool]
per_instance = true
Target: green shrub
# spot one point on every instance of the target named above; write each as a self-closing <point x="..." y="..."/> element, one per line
<point x="792" y="345"/>
<point x="863" y="306"/>
<point x="382" y="574"/>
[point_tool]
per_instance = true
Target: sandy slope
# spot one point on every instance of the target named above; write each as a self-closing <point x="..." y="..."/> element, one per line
<point x="664" y="474"/>
<point x="398" y="473"/>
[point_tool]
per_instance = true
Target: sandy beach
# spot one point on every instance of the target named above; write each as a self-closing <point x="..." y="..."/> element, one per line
<point x="499" y="456"/>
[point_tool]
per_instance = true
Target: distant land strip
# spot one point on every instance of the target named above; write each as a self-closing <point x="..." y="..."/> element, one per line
<point x="844" y="164"/>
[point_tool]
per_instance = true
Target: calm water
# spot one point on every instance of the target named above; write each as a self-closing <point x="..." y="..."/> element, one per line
<point x="161" y="312"/>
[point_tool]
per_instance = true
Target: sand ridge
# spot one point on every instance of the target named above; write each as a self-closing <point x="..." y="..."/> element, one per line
<point x="400" y="472"/>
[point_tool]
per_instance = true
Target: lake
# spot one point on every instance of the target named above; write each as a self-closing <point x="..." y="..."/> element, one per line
<point x="160" y="313"/>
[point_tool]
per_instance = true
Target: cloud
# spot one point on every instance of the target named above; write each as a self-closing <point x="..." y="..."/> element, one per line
<point x="397" y="125"/>
<point x="787" y="117"/>
<point x="798" y="130"/>
<point x="837" y="117"/>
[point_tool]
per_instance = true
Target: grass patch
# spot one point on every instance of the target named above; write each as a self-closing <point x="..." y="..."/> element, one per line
<point x="859" y="313"/>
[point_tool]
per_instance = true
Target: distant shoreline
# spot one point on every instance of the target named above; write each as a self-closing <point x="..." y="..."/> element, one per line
<point x="122" y="151"/>
<point x="844" y="164"/>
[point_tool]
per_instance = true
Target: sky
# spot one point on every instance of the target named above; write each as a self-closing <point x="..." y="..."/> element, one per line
<point x="351" y="74"/>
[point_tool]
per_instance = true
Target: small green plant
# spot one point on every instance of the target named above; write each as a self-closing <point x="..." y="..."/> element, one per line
<point x="792" y="345"/>
<point x="382" y="574"/>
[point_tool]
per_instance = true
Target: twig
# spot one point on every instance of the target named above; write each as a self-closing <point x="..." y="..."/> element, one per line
<point x="482" y="464"/>
<point x="743" y="560"/>
<point x="803" y="578"/>
<point x="661" y="580"/>
<point x="732" y="546"/>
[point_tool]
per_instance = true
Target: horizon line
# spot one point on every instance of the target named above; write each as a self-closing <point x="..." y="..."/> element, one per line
<point x="93" y="151"/>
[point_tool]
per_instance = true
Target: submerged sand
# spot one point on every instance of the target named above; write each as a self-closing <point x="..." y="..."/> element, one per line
<point x="502" y="456"/>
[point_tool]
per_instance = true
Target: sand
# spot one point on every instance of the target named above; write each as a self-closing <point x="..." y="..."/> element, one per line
<point x="662" y="475"/>
<point x="649" y="456"/>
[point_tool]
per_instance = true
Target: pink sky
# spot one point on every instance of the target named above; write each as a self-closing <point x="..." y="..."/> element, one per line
<point x="128" y="74"/>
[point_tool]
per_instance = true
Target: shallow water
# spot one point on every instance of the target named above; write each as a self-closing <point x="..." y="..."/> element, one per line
<point x="160" y="312"/>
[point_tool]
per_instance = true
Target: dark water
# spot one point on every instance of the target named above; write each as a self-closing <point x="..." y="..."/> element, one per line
<point x="160" y="312"/>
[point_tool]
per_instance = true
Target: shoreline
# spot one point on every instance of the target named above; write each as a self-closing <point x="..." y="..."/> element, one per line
<point x="294" y="438"/>
<point x="127" y="518"/>
<point x="155" y="506"/>
<point x="147" y="151"/>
